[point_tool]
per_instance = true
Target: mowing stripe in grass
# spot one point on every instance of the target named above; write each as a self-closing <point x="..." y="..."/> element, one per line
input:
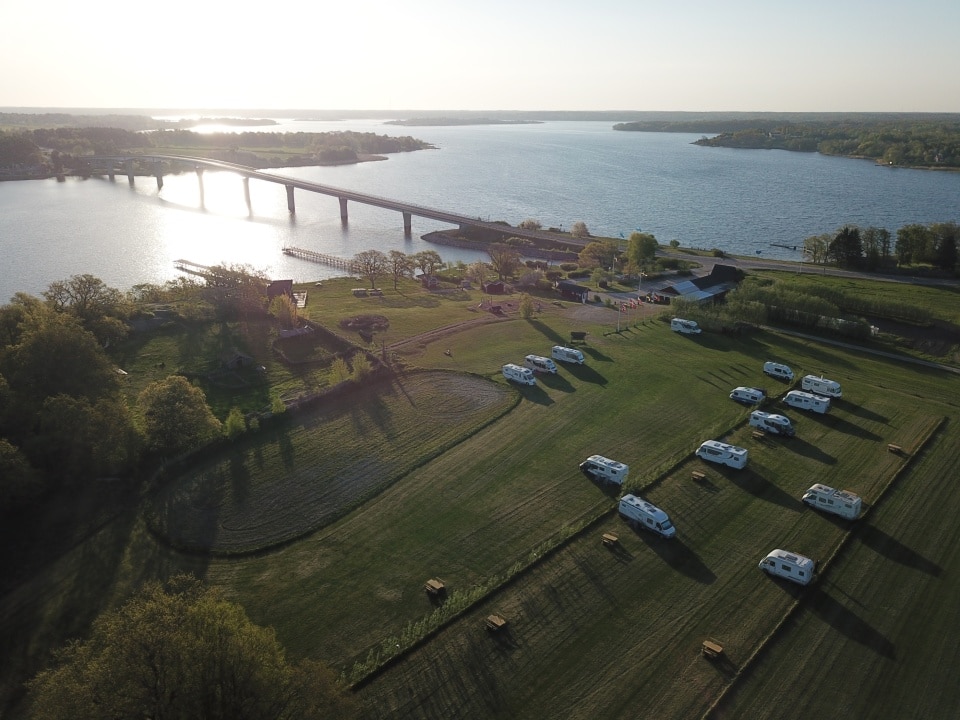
<point x="744" y="670"/>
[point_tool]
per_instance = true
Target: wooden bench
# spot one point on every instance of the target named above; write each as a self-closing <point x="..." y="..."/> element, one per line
<point x="435" y="586"/>
<point x="494" y="623"/>
<point x="578" y="335"/>
<point x="894" y="448"/>
<point x="759" y="435"/>
<point x="698" y="475"/>
<point x="609" y="539"/>
<point x="711" y="649"/>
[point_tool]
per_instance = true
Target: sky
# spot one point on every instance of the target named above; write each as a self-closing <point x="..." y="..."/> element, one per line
<point x="740" y="55"/>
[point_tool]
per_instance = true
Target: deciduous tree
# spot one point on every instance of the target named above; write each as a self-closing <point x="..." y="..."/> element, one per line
<point x="400" y="265"/>
<point x="504" y="259"/>
<point x="370" y="264"/>
<point x="182" y="651"/>
<point x="176" y="416"/>
<point x="579" y="229"/>
<point x="428" y="261"/>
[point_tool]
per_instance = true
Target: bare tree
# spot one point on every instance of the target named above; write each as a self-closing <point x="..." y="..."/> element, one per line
<point x="579" y="229"/>
<point x="371" y="264"/>
<point x="400" y="266"/>
<point x="530" y="224"/>
<point x="428" y="261"/>
<point x="505" y="259"/>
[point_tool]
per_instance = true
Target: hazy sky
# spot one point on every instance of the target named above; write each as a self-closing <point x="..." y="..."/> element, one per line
<point x="841" y="55"/>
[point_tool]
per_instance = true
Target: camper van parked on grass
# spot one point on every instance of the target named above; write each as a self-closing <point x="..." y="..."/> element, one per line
<point x="771" y="423"/>
<point x="778" y="370"/>
<point x="565" y="354"/>
<point x="839" y="502"/>
<point x="597" y="467"/>
<point x="807" y="401"/>
<point x="518" y="374"/>
<point x="723" y="454"/>
<point x="687" y="327"/>
<point x="788" y="565"/>
<point x="639" y="513"/>
<point x="748" y="395"/>
<point x="821" y="386"/>
<point x="540" y="364"/>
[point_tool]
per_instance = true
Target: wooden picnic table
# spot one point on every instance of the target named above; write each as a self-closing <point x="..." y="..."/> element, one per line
<point x="698" y="475"/>
<point x="609" y="539"/>
<point x="712" y="649"/>
<point x="434" y="586"/>
<point x="495" y="622"/>
<point x="894" y="448"/>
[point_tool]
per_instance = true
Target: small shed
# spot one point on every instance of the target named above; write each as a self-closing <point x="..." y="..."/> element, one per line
<point x="572" y="291"/>
<point x="497" y="287"/>
<point x="429" y="281"/>
<point x="276" y="288"/>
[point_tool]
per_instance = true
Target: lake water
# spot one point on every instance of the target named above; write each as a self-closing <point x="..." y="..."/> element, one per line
<point x="742" y="201"/>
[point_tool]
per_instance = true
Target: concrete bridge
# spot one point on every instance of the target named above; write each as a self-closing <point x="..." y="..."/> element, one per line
<point x="157" y="165"/>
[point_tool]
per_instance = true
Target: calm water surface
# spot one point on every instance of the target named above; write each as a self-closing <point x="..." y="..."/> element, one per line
<point x="742" y="201"/>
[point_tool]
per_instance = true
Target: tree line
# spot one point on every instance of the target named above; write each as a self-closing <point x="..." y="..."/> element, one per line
<point x="875" y="249"/>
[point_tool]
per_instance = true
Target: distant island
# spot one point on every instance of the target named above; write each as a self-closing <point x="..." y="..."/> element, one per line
<point x="39" y="152"/>
<point x="443" y="121"/>
<point x="915" y="140"/>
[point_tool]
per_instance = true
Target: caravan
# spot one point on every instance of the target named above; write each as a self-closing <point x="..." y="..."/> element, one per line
<point x="778" y="371"/>
<point x="639" y="513"/>
<point x="601" y="469"/>
<point x="788" y="565"/>
<point x="839" y="502"/>
<point x="540" y="364"/>
<point x="807" y="401"/>
<point x="821" y="386"/>
<point x="748" y="395"/>
<point x="771" y="423"/>
<point x="565" y="354"/>
<point x="723" y="454"/>
<point x="518" y="374"/>
<point x="687" y="327"/>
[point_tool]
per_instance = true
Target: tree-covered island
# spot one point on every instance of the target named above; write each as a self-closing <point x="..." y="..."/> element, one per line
<point x="927" y="141"/>
<point x="37" y="152"/>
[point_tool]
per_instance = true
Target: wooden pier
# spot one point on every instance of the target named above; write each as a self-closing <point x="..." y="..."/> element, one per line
<point x="312" y="256"/>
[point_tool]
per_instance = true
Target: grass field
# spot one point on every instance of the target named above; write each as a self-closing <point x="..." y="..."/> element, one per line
<point x="593" y="632"/>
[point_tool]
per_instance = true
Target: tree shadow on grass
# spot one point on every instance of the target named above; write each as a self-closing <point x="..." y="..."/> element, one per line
<point x="678" y="556"/>
<point x="548" y="332"/>
<point x="893" y="549"/>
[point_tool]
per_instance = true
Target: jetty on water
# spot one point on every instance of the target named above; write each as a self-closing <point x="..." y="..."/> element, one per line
<point x="323" y="258"/>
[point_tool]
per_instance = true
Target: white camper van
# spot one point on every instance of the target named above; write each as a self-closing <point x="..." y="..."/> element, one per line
<point x="565" y="354"/>
<point x="778" y="370"/>
<point x="839" y="502"/>
<point x="723" y="453"/>
<point x="789" y="565"/>
<point x="821" y="386"/>
<point x="639" y="513"/>
<point x="518" y="374"/>
<point x="538" y="363"/>
<point x="748" y="395"/>
<point x="771" y="423"/>
<point x="807" y="401"/>
<point x="687" y="327"/>
<point x="597" y="467"/>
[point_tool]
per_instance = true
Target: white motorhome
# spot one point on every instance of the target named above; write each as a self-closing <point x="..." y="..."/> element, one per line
<point x="723" y="454"/>
<point x="747" y="395"/>
<point x="518" y="374"/>
<point x="807" y="401"/>
<point x="778" y="370"/>
<point x="538" y="363"/>
<point x="789" y="565"/>
<point x="772" y="423"/>
<point x="687" y="327"/>
<point x="597" y="467"/>
<point x="821" y="386"/>
<point x="839" y="502"/>
<point x="565" y="354"/>
<point x="640" y="513"/>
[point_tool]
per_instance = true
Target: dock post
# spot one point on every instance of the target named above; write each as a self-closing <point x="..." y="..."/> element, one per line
<point x="343" y="209"/>
<point x="200" y="183"/>
<point x="246" y="194"/>
<point x="291" y="206"/>
<point x="407" y="227"/>
<point x="158" y="171"/>
<point x="128" y="166"/>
